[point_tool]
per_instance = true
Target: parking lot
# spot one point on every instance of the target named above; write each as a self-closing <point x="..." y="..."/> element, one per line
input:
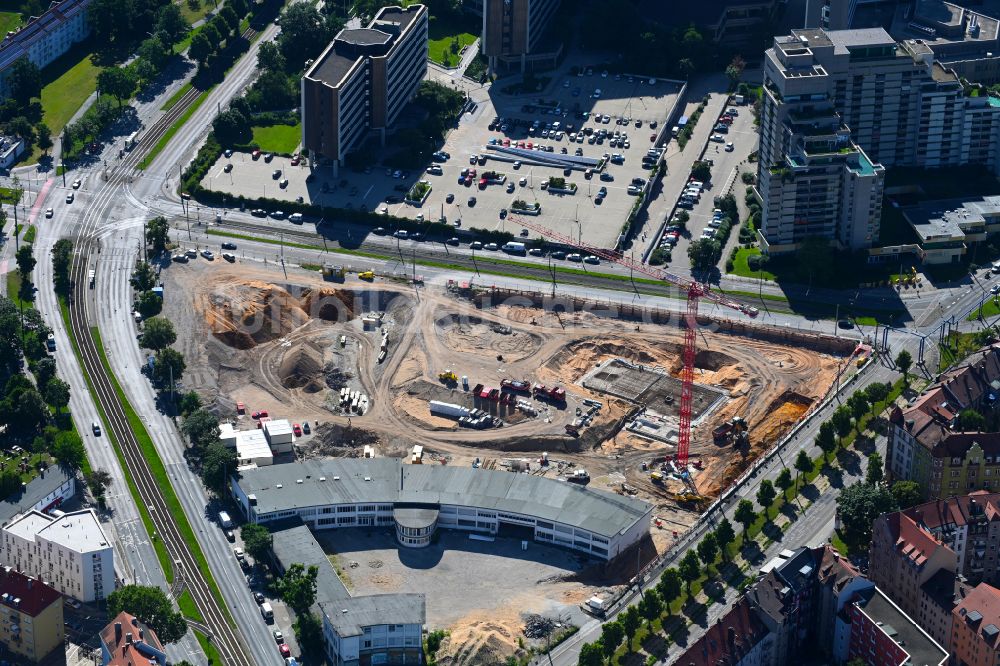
<point x="591" y="103"/>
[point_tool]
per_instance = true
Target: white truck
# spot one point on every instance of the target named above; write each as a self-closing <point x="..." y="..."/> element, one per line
<point x="225" y="521"/>
<point x="448" y="409"/>
<point x="597" y="606"/>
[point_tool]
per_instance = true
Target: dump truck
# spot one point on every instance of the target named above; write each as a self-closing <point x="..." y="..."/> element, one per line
<point x="516" y="385"/>
<point x="731" y="428"/>
<point x="554" y="393"/>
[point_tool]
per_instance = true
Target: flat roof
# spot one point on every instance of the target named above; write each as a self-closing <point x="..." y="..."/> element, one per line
<point x="78" y="530"/>
<point x="28" y="525"/>
<point x="349" y="619"/>
<point x="415" y="518"/>
<point x="349" y="481"/>
<point x="903" y="630"/>
<point x="297" y="544"/>
<point x="39" y="488"/>
<point x="253" y="447"/>
<point x="364" y="36"/>
<point x="278" y="427"/>
<point x="943" y="218"/>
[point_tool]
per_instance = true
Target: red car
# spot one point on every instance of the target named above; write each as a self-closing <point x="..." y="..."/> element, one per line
<point x="259" y="415"/>
<point x="255" y="154"/>
<point x="285" y="652"/>
<point x="295" y="160"/>
<point x="652" y="137"/>
<point x="297" y="429"/>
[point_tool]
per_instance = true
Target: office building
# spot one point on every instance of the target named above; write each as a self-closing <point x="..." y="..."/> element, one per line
<point x="513" y="31"/>
<point x="31" y="617"/>
<point x="362" y="81"/>
<point x="416" y="500"/>
<point x="841" y="105"/>
<point x="883" y="635"/>
<point x="373" y="629"/>
<point x="126" y="641"/>
<point x="70" y="552"/>
<point x="945" y="228"/>
<point x="252" y="448"/>
<point x="44" y="38"/>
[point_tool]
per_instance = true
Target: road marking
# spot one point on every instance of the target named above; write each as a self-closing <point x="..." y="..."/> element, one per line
<point x="39" y="200"/>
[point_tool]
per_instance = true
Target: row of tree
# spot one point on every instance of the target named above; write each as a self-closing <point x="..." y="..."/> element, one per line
<point x="217" y="34"/>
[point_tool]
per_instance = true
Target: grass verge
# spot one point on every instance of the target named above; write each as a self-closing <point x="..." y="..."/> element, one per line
<point x="188" y="608"/>
<point x="147" y="521"/>
<point x="159" y="472"/>
<point x="742" y="268"/>
<point x="176" y="97"/>
<point x="165" y="139"/>
<point x="990" y="308"/>
<point x="209" y="649"/>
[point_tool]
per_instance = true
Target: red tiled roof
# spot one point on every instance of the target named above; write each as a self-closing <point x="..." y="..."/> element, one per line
<point x="912" y="541"/>
<point x="967" y="384"/>
<point x="728" y="640"/>
<point x="122" y="652"/>
<point x="28" y="595"/>
<point x="986" y="599"/>
<point x="954" y="511"/>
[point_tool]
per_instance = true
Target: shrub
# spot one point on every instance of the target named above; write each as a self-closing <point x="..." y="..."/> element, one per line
<point x="748" y="178"/>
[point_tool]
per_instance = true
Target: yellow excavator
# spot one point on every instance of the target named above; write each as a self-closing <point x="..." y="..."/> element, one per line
<point x="448" y="377"/>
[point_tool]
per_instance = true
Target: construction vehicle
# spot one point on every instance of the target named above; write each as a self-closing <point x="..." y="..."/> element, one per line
<point x="333" y="273"/>
<point x="367" y="275"/>
<point x="656" y="477"/>
<point x="448" y="377"/>
<point x="734" y="429"/>
<point x="695" y="292"/>
<point x="572" y="429"/>
<point x="516" y="385"/>
<point x="555" y="393"/>
<point x="689" y="498"/>
<point x="579" y="476"/>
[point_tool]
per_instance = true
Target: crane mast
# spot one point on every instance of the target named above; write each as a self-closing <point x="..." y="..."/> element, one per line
<point x="695" y="291"/>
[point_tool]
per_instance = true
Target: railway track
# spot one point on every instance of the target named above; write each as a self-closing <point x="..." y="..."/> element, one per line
<point x="221" y="631"/>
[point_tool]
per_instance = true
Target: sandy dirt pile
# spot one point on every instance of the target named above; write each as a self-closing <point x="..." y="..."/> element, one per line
<point x="482" y="638"/>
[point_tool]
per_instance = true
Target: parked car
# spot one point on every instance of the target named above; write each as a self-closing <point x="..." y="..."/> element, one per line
<point x="296" y="430"/>
<point x="591" y="259"/>
<point x="574" y="257"/>
<point x="558" y="254"/>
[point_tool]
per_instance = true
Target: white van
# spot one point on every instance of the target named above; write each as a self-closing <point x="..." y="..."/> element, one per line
<point x="225" y="521"/>
<point x="267" y="612"/>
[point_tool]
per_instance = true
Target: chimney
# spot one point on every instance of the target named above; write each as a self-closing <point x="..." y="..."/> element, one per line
<point x="128" y="638"/>
<point x="118" y="633"/>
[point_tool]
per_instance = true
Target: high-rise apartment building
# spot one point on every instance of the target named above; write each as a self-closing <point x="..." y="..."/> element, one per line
<point x="841" y="105"/>
<point x="362" y="81"/>
<point x="513" y="31"/>
<point x="71" y="552"/>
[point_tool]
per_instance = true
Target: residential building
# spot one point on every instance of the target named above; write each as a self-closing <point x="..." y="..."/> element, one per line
<point x="362" y="81"/>
<point x="838" y="581"/>
<point x="945" y="228"/>
<point x="11" y="148"/>
<point x="841" y="105"/>
<point x="53" y="486"/>
<point x="44" y="38"/>
<point x="830" y="14"/>
<point x="903" y="560"/>
<point x="31" y="616"/>
<point x="975" y="632"/>
<point x="127" y="642"/>
<point x="513" y="31"/>
<point x="738" y="638"/>
<point x="381" y="628"/>
<point x="416" y="500"/>
<point x="70" y="552"/>
<point x="883" y="635"/>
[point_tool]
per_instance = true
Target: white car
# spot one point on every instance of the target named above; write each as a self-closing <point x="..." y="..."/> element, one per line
<point x="718" y="138"/>
<point x="995" y="289"/>
<point x="49" y="212"/>
<point x="522" y="182"/>
<point x="295" y="217"/>
<point x="77" y="183"/>
<point x="730" y="147"/>
<point x="208" y="254"/>
<point x="591" y="259"/>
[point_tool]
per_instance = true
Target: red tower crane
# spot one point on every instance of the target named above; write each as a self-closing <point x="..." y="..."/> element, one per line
<point x="695" y="291"/>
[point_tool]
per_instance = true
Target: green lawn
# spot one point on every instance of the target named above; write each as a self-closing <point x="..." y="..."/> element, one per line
<point x="278" y="138"/>
<point x="441" y="32"/>
<point x="740" y="266"/>
<point x="9" y="21"/>
<point x="192" y="15"/>
<point x="68" y="82"/>
<point x="991" y="308"/>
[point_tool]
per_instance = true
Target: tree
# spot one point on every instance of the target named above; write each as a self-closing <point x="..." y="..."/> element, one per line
<point x="874" y="473"/>
<point x="304" y="34"/>
<point x="22" y="127"/>
<point x="708" y="549"/>
<point x="859" y="505"/>
<point x="701" y="171"/>
<point x="143" y="277"/>
<point x="24" y="81"/>
<point x="190" y="402"/>
<point x="734" y="71"/>
<point x="904" y="362"/>
<point x="651" y="606"/>
<point x="149" y="304"/>
<point x="25" y="261"/>
<point x="154" y="52"/>
<point x="152" y="607"/>
<point x="171" y="23"/>
<point x="630" y="619"/>
<point x="217" y="462"/>
<point x="971" y="420"/>
<point x="56" y="393"/>
<point x="803" y="465"/>
<point x="878" y="391"/>
<point x="858" y="403"/>
<point x="309" y="632"/>
<point x="297" y="587"/>
<point x="269" y="57"/>
<point x="45" y="370"/>
<point x="119" y="82"/>
<point x="156" y="234"/>
<point x="725" y="535"/>
<point x="98" y="481"/>
<point x="765" y="496"/>
<point x="168" y="366"/>
<point x="745" y="515"/>
<point x="157" y="333"/>
<point x="44" y="137"/>
<point x="612" y="634"/>
<point x="842" y="421"/>
<point x="591" y="654"/>
<point x="669" y="586"/>
<point x="200" y="48"/>
<point x="704" y="253"/>
<point x="685" y="67"/>
<point x="62" y="257"/>
<point x="907" y="494"/>
<point x="201" y="428"/>
<point x="67" y="448"/>
<point x="213" y="34"/>
<point x="690" y="569"/>
<point x="241" y="7"/>
<point x="256" y="540"/>
<point x="231" y="128"/>
<point x="229" y="17"/>
<point x="784" y="480"/>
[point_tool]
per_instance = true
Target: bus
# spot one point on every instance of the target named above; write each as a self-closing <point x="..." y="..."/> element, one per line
<point x="131" y="140"/>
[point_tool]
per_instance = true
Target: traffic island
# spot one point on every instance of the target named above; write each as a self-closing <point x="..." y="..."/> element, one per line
<point x="418" y="193"/>
<point x="524" y="208"/>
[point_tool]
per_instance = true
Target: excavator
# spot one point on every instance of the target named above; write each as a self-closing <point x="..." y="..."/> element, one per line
<point x="448" y="377"/>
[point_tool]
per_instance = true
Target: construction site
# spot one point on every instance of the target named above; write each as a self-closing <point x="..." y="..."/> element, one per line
<point x="476" y="377"/>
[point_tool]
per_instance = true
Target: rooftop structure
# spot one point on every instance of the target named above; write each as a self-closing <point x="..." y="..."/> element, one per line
<point x="886" y="636"/>
<point x="32" y="614"/>
<point x="126" y="641"/>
